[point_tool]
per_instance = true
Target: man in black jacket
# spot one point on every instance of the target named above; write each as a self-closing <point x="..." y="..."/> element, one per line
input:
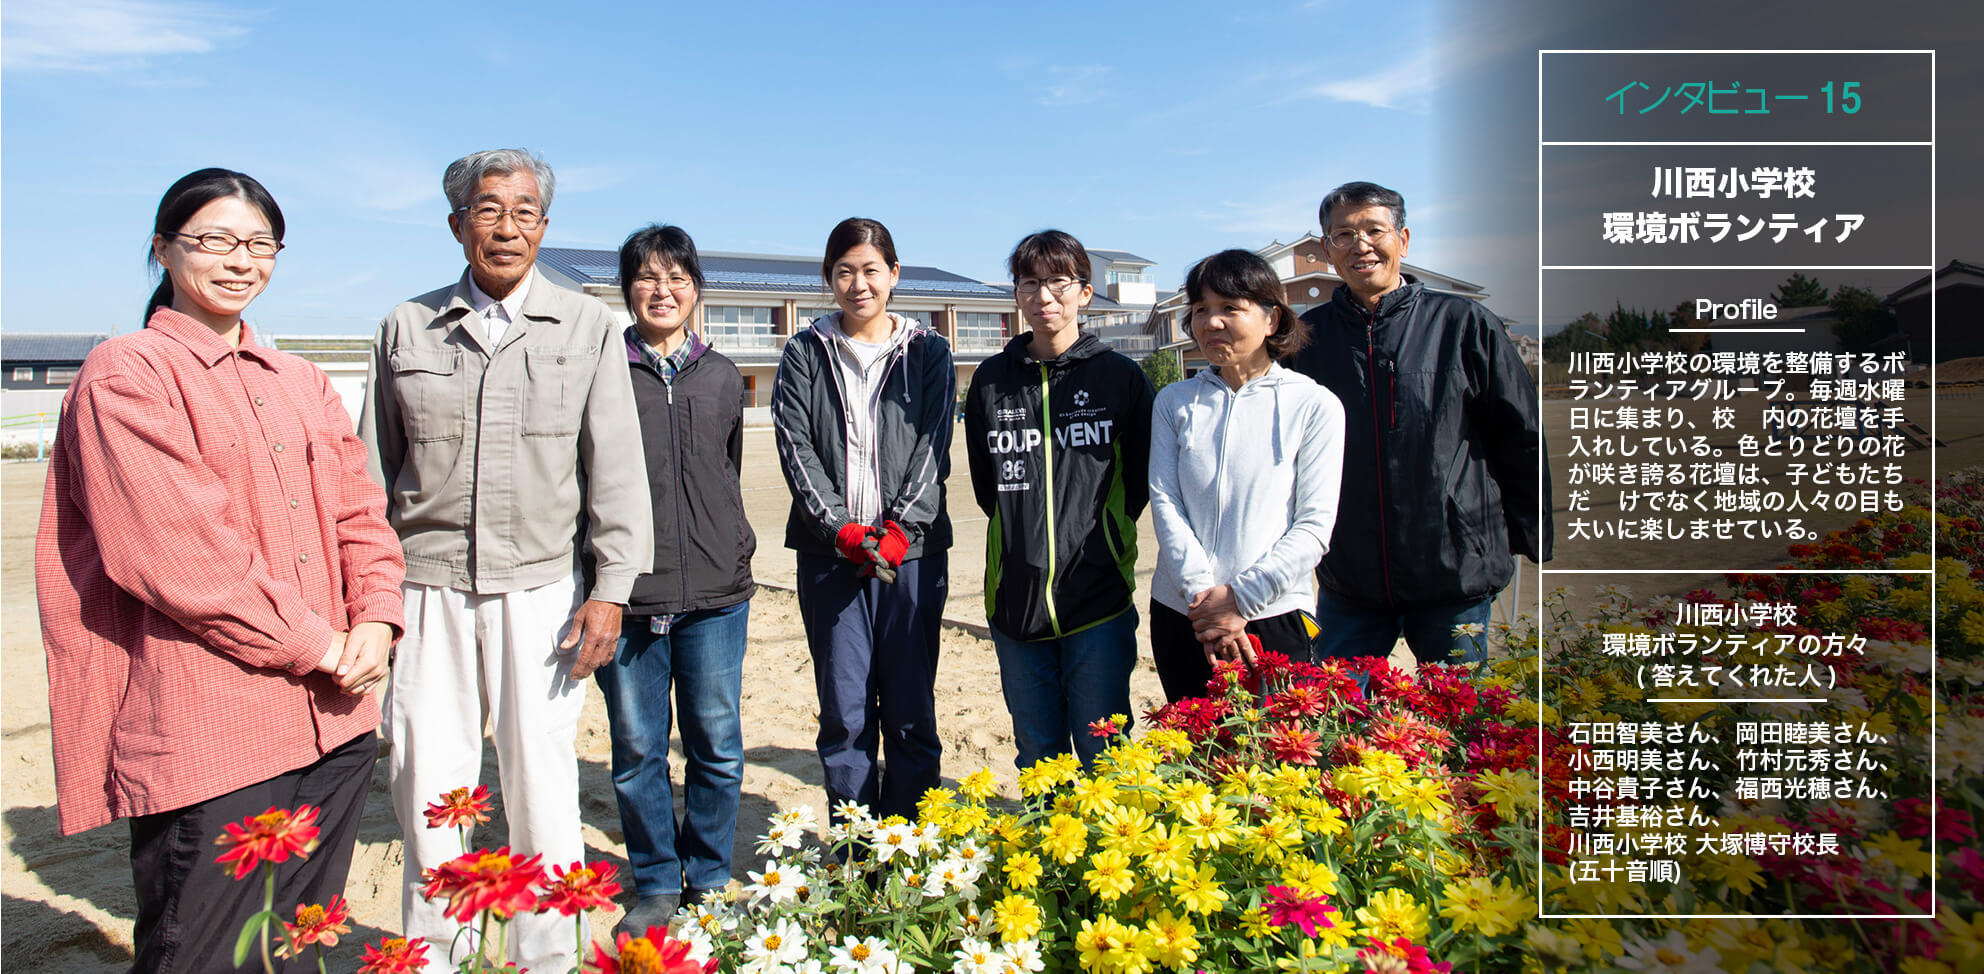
<point x="1444" y="474"/>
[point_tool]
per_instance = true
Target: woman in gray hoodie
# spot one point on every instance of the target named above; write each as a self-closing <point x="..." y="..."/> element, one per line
<point x="1245" y="462"/>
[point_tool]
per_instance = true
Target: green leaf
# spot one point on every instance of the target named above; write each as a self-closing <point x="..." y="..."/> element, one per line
<point x="249" y="931"/>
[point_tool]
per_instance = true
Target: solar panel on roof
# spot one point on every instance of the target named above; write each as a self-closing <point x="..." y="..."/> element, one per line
<point x="603" y="273"/>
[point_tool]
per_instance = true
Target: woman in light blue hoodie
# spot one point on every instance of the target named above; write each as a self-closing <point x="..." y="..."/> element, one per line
<point x="1246" y="458"/>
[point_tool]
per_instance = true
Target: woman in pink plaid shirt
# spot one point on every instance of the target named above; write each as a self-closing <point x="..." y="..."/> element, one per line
<point x="219" y="589"/>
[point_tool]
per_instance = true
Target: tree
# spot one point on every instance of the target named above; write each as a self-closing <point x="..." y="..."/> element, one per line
<point x="1862" y="319"/>
<point x="1584" y="334"/>
<point x="1799" y="291"/>
<point x="1163" y="368"/>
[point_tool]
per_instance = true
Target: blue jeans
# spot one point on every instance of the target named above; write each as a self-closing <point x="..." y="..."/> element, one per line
<point x="874" y="647"/>
<point x="703" y="657"/>
<point x="1056" y="687"/>
<point x="1352" y="630"/>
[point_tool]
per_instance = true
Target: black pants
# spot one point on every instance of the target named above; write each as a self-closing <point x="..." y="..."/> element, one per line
<point x="191" y="909"/>
<point x="1181" y="658"/>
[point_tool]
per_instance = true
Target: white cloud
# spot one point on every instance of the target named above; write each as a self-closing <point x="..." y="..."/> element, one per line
<point x="94" y="35"/>
<point x="1404" y="85"/>
<point x="1079" y="85"/>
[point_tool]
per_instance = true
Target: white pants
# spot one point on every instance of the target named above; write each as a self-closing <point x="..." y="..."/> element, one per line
<point x="465" y="657"/>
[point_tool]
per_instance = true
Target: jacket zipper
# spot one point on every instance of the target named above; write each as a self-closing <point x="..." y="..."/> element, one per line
<point x="1047" y="450"/>
<point x="1378" y="442"/>
<point x="681" y="530"/>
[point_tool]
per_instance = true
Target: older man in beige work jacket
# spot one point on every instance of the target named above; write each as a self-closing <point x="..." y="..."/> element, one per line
<point x="499" y="418"/>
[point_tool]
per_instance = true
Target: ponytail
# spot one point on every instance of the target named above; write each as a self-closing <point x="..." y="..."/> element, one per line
<point x="161" y="298"/>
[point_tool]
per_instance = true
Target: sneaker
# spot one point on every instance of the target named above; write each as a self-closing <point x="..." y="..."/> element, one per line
<point x="651" y="911"/>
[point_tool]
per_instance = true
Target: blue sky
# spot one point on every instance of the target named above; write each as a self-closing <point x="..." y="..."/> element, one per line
<point x="1169" y="130"/>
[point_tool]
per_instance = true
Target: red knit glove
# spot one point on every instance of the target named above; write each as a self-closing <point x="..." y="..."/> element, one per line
<point x="848" y="542"/>
<point x="893" y="544"/>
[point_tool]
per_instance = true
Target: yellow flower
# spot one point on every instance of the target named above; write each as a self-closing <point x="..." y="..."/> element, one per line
<point x="1242" y="782"/>
<point x="933" y="800"/>
<point x="1123" y="828"/>
<point x="1254" y="922"/>
<point x="978" y="785"/>
<point x="1599" y="937"/>
<point x="1478" y="904"/>
<point x="1740" y="873"/>
<point x="1171" y="741"/>
<point x="1109" y="947"/>
<point x="1038" y="779"/>
<point x="1312" y="878"/>
<point x="1323" y="819"/>
<point x="1200" y="891"/>
<point x="1393" y="913"/>
<point x="1017" y="918"/>
<point x="1271" y="840"/>
<point x="1964" y="942"/>
<point x="1007" y="833"/>
<point x="1094" y="797"/>
<point x="965" y="820"/>
<point x="1166" y="852"/>
<point x="1211" y="824"/>
<point x="1065" y="839"/>
<point x="1923" y="965"/>
<point x="1022" y="870"/>
<point x="1184" y="792"/>
<point x="1510" y="792"/>
<point x="1174" y="941"/>
<point x="1289" y="780"/>
<point x="1907" y="854"/>
<point x="1426" y="798"/>
<point x="1109" y="875"/>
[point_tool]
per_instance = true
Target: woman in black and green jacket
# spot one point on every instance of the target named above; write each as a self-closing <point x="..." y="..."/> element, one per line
<point x="1057" y="429"/>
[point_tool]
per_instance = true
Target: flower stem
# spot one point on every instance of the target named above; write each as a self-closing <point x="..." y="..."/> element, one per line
<point x="268" y="905"/>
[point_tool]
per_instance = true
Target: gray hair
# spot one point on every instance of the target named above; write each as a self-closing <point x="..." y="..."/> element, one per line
<point x="1359" y="195"/>
<point x="466" y="173"/>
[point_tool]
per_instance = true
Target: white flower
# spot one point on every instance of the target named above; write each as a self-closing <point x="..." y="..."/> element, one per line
<point x="779" y="883"/>
<point x="926" y="837"/>
<point x="978" y="957"/>
<point x="707" y="918"/>
<point x="863" y="956"/>
<point x="971" y="854"/>
<point x="1670" y="955"/>
<point x="852" y="811"/>
<point x="800" y="819"/>
<point x="781" y="943"/>
<point x="952" y="876"/>
<point x="892" y="839"/>
<point x="779" y="837"/>
<point x="1025" y="956"/>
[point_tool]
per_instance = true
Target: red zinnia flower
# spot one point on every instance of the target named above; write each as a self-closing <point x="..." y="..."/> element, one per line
<point x="1401" y="949"/>
<point x="484" y="880"/>
<point x="460" y="807"/>
<point x="1291" y="744"/>
<point x="1104" y="727"/>
<point x="271" y="836"/>
<point x="655" y="953"/>
<point x="315" y="925"/>
<point x="1287" y="905"/>
<point x="579" y="887"/>
<point x="394" y="955"/>
<point x="1300" y="700"/>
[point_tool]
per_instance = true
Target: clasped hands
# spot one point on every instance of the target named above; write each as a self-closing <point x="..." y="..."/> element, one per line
<point x="1221" y="630"/>
<point x="872" y="547"/>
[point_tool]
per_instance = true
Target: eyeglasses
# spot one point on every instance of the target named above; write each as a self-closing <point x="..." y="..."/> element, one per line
<point x="218" y="242"/>
<point x="526" y="216"/>
<point x="669" y="284"/>
<point x="1346" y="239"/>
<point x="1055" y="286"/>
